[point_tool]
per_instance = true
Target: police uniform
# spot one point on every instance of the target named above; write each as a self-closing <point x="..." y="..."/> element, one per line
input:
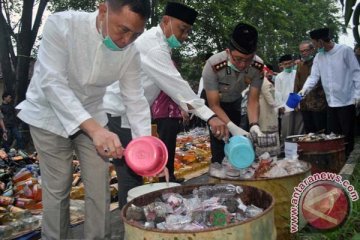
<point x="218" y="76"/>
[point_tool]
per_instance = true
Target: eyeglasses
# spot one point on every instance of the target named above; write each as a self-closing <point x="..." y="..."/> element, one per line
<point x="238" y="59"/>
<point x="305" y="50"/>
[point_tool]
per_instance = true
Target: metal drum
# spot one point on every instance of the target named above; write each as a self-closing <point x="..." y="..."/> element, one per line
<point x="281" y="189"/>
<point x="260" y="227"/>
<point x="324" y="155"/>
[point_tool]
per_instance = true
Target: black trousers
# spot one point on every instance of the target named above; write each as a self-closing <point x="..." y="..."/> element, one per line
<point x="314" y="121"/>
<point x="127" y="178"/>
<point x="341" y="120"/>
<point x="217" y="146"/>
<point x="167" y="129"/>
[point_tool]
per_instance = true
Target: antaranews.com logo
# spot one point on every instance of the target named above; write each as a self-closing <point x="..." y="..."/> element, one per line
<point x="321" y="200"/>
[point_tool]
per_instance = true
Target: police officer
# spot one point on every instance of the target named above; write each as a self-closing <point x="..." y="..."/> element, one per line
<point x="226" y="75"/>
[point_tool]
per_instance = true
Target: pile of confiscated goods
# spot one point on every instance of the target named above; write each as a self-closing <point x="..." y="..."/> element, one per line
<point x="21" y="193"/>
<point x="192" y="151"/>
<point x="264" y="167"/>
<point x="206" y="207"/>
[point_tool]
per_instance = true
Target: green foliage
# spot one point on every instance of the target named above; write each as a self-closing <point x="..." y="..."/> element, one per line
<point x="84" y="5"/>
<point x="282" y="25"/>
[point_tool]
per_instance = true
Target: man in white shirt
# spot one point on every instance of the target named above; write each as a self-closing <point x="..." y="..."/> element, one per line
<point x="158" y="73"/>
<point x="339" y="71"/>
<point x="291" y="119"/>
<point x="80" y="55"/>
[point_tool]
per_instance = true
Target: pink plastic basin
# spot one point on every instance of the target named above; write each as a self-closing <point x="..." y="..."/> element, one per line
<point x="146" y="156"/>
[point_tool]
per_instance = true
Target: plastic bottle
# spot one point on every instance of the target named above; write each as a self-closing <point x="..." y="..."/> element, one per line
<point x="22" y="175"/>
<point x="17" y="212"/>
<point x="37" y="192"/>
<point x="28" y="182"/>
<point x="5" y="201"/>
<point x="25" y="203"/>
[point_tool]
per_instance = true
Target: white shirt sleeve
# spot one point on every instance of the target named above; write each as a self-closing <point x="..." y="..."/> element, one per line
<point x="53" y="60"/>
<point x="314" y="76"/>
<point x="132" y="95"/>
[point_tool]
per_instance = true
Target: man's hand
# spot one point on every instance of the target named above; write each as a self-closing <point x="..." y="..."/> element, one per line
<point x="218" y="128"/>
<point x="185" y="117"/>
<point x="107" y="144"/>
<point x="5" y="136"/>
<point x="237" y="131"/>
<point x="302" y="92"/>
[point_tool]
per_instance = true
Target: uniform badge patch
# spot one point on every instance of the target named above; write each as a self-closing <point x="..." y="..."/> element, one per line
<point x="217" y="67"/>
<point x="258" y="65"/>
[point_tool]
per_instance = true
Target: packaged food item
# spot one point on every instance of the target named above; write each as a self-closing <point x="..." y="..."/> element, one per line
<point x="22" y="175"/>
<point x="5" y="201"/>
<point x="24" y="184"/>
<point x="37" y="192"/>
<point x="18" y="213"/>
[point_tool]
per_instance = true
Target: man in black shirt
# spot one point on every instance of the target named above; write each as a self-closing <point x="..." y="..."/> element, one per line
<point x="11" y="122"/>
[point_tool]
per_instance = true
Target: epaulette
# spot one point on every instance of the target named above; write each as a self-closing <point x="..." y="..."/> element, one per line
<point x="217" y="67"/>
<point x="258" y="65"/>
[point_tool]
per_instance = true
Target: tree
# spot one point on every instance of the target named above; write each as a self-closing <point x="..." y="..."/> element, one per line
<point x="349" y="4"/>
<point x="18" y="36"/>
<point x="282" y="24"/>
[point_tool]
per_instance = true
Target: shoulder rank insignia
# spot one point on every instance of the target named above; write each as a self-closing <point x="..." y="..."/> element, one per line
<point x="258" y="65"/>
<point x="217" y="67"/>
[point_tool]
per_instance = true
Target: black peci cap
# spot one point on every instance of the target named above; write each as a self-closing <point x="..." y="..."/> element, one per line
<point x="244" y="38"/>
<point x="181" y="12"/>
<point x="286" y="57"/>
<point x="320" y="33"/>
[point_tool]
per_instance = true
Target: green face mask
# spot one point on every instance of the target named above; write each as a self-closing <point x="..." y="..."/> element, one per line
<point x="232" y="66"/>
<point x="172" y="40"/>
<point x="288" y="70"/>
<point x="308" y="58"/>
<point x="107" y="41"/>
<point x="321" y="50"/>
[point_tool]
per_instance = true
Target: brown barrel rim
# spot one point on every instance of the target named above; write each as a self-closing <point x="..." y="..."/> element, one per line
<point x="173" y="189"/>
<point x="289" y="138"/>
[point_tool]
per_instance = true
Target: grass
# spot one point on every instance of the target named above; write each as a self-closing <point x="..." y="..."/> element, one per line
<point x="350" y="230"/>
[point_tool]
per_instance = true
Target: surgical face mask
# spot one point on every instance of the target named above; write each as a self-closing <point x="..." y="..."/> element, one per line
<point x="288" y="70"/>
<point x="232" y="66"/>
<point x="321" y="50"/>
<point x="172" y="40"/>
<point x="107" y="41"/>
<point x="308" y="58"/>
